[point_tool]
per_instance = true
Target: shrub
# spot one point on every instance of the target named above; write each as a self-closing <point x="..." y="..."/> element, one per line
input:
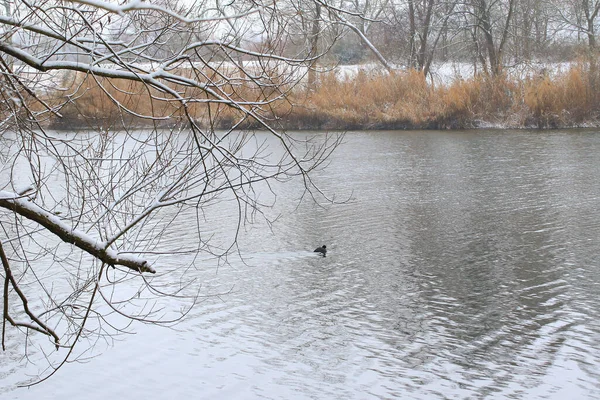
<point x="369" y="100"/>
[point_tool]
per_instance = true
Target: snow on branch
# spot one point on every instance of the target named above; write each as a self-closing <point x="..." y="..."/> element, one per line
<point x="151" y="79"/>
<point x="242" y="50"/>
<point x="54" y="224"/>
<point x="144" y="5"/>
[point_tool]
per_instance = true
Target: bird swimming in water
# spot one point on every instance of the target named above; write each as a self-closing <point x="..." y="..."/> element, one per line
<point x="322" y="250"/>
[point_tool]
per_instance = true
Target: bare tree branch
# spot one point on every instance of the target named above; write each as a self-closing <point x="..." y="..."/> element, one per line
<point x="160" y="104"/>
<point x="51" y="222"/>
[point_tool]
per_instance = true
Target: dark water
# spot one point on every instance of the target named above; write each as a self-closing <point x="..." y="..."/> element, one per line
<point x="463" y="266"/>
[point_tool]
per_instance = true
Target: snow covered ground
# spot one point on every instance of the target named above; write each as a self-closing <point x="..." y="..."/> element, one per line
<point x="447" y="72"/>
<point x="440" y="73"/>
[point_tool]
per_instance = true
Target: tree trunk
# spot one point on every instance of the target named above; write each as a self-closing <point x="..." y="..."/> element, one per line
<point x="314" y="47"/>
<point x="412" y="35"/>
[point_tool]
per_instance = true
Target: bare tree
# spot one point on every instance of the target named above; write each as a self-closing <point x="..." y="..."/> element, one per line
<point x="85" y="213"/>
<point x="357" y="17"/>
<point x="314" y="45"/>
<point x="428" y="23"/>
<point x="580" y="16"/>
<point x="531" y="29"/>
<point x="489" y="23"/>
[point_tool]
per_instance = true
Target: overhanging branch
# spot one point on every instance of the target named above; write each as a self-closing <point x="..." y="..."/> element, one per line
<point x="39" y="326"/>
<point x="98" y="249"/>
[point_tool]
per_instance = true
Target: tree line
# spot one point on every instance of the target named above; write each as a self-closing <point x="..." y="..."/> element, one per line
<point x="489" y="34"/>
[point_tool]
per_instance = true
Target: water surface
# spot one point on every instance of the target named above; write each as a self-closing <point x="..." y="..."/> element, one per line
<point x="463" y="265"/>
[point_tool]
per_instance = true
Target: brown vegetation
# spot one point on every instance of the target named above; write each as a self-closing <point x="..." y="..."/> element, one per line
<point x="408" y="101"/>
<point x="401" y="100"/>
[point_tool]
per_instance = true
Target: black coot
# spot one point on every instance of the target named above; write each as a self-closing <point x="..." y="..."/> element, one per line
<point x="322" y="250"/>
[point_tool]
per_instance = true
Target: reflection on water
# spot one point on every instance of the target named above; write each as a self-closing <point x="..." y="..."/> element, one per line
<point x="464" y="266"/>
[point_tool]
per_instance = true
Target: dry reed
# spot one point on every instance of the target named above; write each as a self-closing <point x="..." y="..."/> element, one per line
<point x="400" y="100"/>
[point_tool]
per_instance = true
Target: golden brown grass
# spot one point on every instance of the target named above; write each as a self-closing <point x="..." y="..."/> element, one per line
<point x="103" y="103"/>
<point x="401" y="100"/>
<point x="407" y="101"/>
<point x="569" y="99"/>
<point x="371" y="100"/>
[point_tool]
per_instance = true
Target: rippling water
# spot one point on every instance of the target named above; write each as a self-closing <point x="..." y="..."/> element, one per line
<point x="464" y="265"/>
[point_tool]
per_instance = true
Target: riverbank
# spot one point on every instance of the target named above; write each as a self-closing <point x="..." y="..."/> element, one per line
<point x="367" y="100"/>
<point x="409" y="101"/>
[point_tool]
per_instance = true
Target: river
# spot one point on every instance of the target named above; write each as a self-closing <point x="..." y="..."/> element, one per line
<point x="460" y="265"/>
